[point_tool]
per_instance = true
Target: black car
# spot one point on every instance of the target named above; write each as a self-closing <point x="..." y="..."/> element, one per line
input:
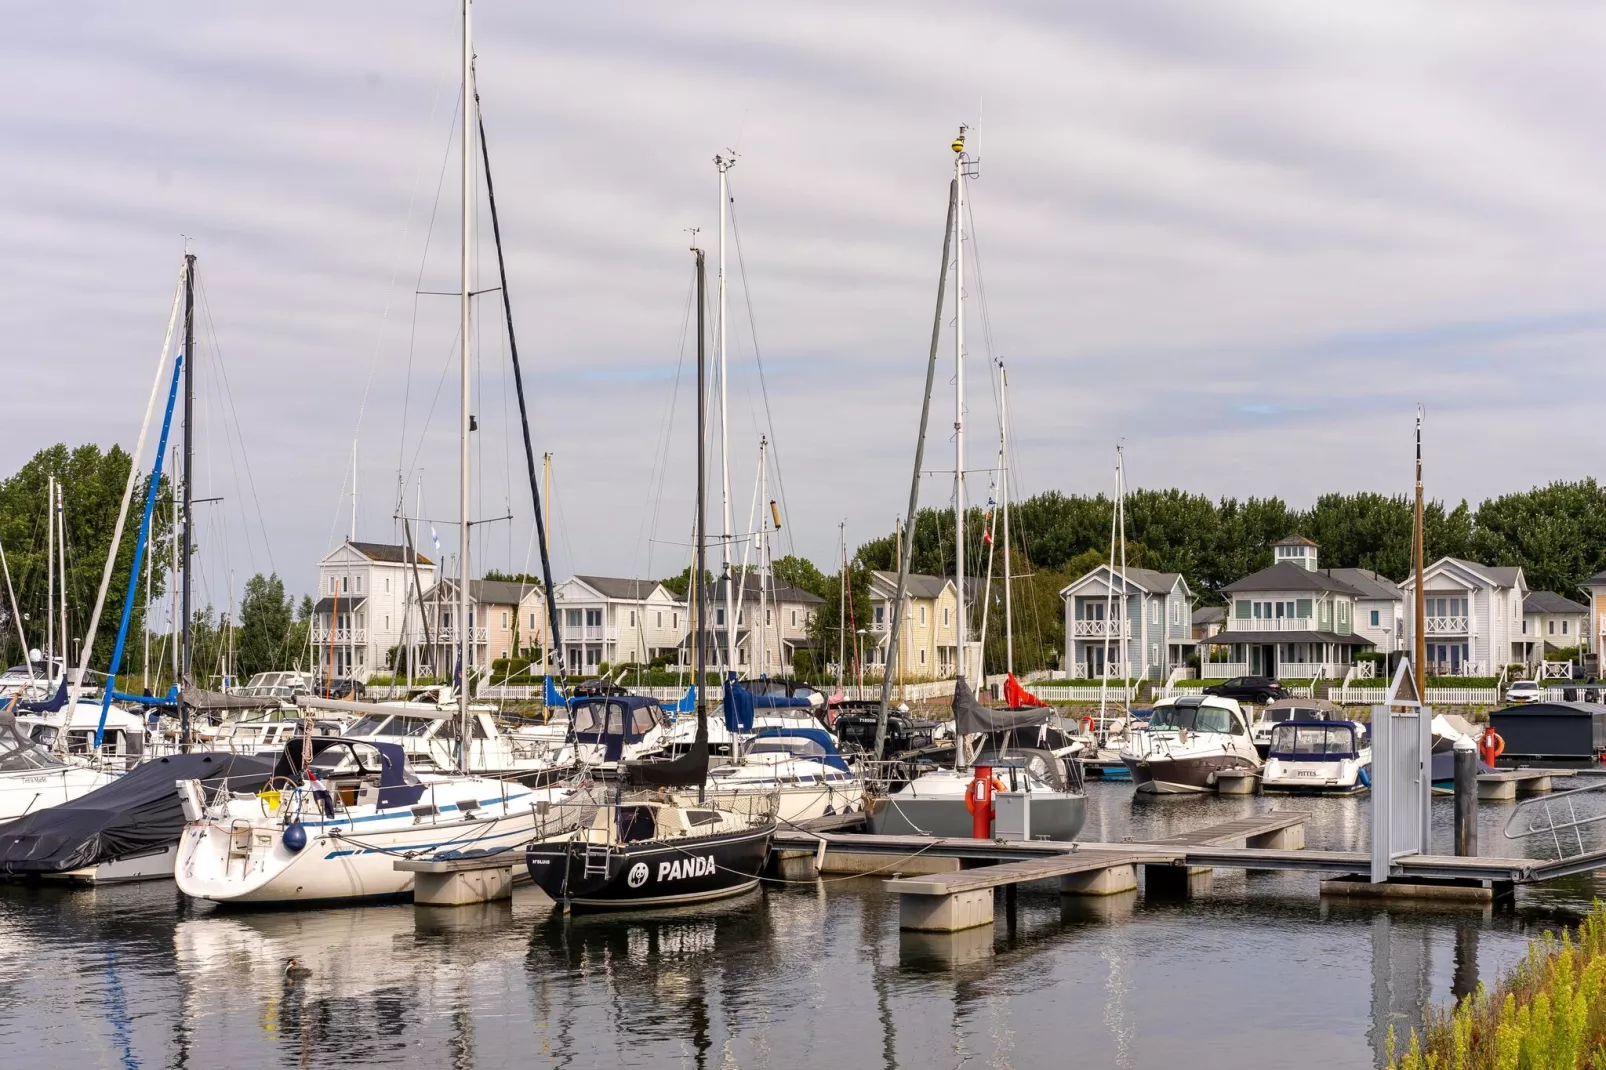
<point x="1257" y="689"/>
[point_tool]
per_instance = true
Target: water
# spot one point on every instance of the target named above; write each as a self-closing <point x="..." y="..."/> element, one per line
<point x="1256" y="971"/>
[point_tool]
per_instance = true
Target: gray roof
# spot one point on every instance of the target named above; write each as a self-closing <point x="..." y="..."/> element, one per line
<point x="1504" y="575"/>
<point x="1598" y="578"/>
<point x="630" y="590"/>
<point x="1144" y="579"/>
<point x="1550" y="602"/>
<point x="1209" y="614"/>
<point x="347" y="603"/>
<point x="484" y="592"/>
<point x="780" y="592"/>
<point x="917" y="584"/>
<point x="1370" y="584"/>
<point x="1264" y="638"/>
<point x="1294" y="540"/>
<point x="383" y="551"/>
<point x="1287" y="576"/>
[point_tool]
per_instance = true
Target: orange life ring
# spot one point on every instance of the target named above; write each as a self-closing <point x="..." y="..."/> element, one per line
<point x="970" y="800"/>
<point x="1087" y="724"/>
<point x="1491" y="745"/>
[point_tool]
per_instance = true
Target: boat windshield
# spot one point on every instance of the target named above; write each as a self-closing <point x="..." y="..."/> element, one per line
<point x="793" y="746"/>
<point x="18" y="753"/>
<point x="1194" y="718"/>
<point x="1306" y="741"/>
<point x="367" y="726"/>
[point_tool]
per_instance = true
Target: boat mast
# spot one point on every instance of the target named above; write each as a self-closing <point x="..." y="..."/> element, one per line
<point x="61" y="564"/>
<point x="699" y="652"/>
<point x="842" y="606"/>
<point x="723" y="164"/>
<point x="1003" y="487"/>
<point x="1419" y="599"/>
<point x="1126" y="590"/>
<point x="959" y="406"/>
<point x="762" y="624"/>
<point x="464" y="621"/>
<point x="50" y="578"/>
<point x="187" y="545"/>
<point x="1109" y="596"/>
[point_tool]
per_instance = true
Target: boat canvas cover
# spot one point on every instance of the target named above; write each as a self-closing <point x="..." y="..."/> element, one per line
<point x="741" y="702"/>
<point x="1017" y="697"/>
<point x="827" y="752"/>
<point x="135" y="814"/>
<point x="197" y="698"/>
<point x="972" y="718"/>
<point x="1313" y="741"/>
<point x="50" y="705"/>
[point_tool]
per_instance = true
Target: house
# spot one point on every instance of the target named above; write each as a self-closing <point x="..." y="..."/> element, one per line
<point x="1379" y="609"/>
<point x="1137" y="623"/>
<point x="926" y="648"/>
<point x="1474" y="616"/>
<point x="505" y="618"/>
<point x="1207" y="621"/>
<point x="610" y="621"/>
<point x="1291" y="619"/>
<point x="1551" y="622"/>
<point x="782" y="614"/>
<point x="368" y="603"/>
<point x="1596" y="586"/>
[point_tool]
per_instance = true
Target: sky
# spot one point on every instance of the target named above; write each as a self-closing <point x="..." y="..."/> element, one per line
<point x="1241" y="237"/>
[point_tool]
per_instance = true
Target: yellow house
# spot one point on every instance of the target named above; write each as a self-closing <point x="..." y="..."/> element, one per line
<point x="927" y="646"/>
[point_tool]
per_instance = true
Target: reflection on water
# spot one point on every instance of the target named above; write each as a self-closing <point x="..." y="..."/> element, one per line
<point x="1256" y="970"/>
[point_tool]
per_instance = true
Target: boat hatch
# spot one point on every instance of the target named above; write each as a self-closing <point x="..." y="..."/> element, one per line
<point x="1308" y="741"/>
<point x="636" y="823"/>
<point x="696" y="818"/>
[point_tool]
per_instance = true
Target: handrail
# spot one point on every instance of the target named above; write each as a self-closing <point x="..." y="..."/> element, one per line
<point x="1551" y="826"/>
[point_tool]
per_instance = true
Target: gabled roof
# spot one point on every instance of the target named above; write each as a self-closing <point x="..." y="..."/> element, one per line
<point x="1494" y="575"/>
<point x="1370" y="584"/>
<point x="1209" y="614"/>
<point x="348" y="603"/>
<point x="1550" y="602"/>
<point x="916" y="584"/>
<point x="1597" y="580"/>
<point x="384" y="551"/>
<point x="1287" y="576"/>
<point x="485" y="592"/>
<point x="628" y="590"/>
<point x="1294" y="540"/>
<point x="780" y="592"/>
<point x="1147" y="580"/>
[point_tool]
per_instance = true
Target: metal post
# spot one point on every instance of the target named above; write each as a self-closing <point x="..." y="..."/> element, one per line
<point x="1466" y="797"/>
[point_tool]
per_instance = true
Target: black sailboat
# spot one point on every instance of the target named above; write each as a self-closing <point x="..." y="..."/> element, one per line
<point x="659" y="843"/>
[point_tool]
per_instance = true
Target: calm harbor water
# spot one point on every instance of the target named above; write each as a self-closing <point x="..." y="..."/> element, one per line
<point x="1256" y="971"/>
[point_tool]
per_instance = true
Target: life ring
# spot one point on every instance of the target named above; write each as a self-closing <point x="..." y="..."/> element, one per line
<point x="970" y="799"/>
<point x="1491" y="745"/>
<point x="1087" y="724"/>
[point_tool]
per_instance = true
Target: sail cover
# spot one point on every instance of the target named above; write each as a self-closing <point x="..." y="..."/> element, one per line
<point x="550" y="694"/>
<point x="971" y="717"/>
<point x="1017" y="697"/>
<point x="138" y="813"/>
<point x="49" y="705"/>
<point x="690" y="769"/>
<point x="738" y="706"/>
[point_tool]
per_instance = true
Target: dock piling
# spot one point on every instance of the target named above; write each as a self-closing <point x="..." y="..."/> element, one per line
<point x="1466" y="798"/>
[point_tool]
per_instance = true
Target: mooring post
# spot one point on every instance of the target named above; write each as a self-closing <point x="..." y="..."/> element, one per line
<point x="1466" y="797"/>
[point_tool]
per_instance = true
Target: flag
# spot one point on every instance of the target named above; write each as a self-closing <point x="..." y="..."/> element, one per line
<point x="436" y="539"/>
<point x="1016" y="696"/>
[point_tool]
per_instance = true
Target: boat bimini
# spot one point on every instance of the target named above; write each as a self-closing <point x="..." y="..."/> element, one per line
<point x="331" y="831"/>
<point x="802" y="766"/>
<point x="1318" y="756"/>
<point x="609" y="730"/>
<point x="1187" y="742"/>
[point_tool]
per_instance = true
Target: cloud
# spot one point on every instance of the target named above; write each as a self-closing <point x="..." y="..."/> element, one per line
<point x="1243" y="237"/>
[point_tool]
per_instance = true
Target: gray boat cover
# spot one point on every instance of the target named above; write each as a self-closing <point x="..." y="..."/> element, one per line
<point x="138" y="813"/>
<point x="197" y="698"/>
<point x="972" y="718"/>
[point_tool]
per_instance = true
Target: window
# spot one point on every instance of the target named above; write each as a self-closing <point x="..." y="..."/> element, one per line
<point x="345" y="584"/>
<point x="1241" y="609"/>
<point x="741" y="617"/>
<point x="1176" y="612"/>
<point x="504" y="655"/>
<point x="741" y="655"/>
<point x="387" y="622"/>
<point x="1154" y="612"/>
<point x="593" y="618"/>
<point x="660" y="621"/>
<point x="532" y="623"/>
<point x="880" y="614"/>
<point x="387" y="584"/>
<point x="1552" y="628"/>
<point x="674" y="620"/>
<point x="359" y="584"/>
<point x="922" y="655"/>
<point x="794" y="618"/>
<point x="766" y="618"/>
<point x="592" y="657"/>
<point x="571" y="617"/>
<point x="504" y="623"/>
<point x="632" y="618"/>
<point x="332" y="587"/>
<point x="766" y="658"/>
<point x="1563" y="627"/>
<point x="922" y="615"/>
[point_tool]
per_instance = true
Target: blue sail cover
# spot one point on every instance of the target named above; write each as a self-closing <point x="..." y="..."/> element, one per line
<point x="738" y="706"/>
<point x="687" y="703"/>
<point x="552" y="695"/>
<point x="49" y="705"/>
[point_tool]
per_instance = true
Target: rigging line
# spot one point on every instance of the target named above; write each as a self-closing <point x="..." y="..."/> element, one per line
<point x="221" y="385"/>
<point x="758" y="359"/>
<point x="423" y="261"/>
<point x="658" y="476"/>
<point x="446" y="368"/>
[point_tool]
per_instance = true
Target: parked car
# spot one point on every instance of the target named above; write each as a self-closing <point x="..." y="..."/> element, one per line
<point x="1524" y="691"/>
<point x="1258" y="689"/>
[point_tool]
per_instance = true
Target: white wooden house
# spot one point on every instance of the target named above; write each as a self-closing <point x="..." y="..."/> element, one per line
<point x="1551" y="622"/>
<point x="1139" y="626"/>
<point x="610" y="621"/>
<point x="367" y="602"/>
<point x="1474" y="616"/>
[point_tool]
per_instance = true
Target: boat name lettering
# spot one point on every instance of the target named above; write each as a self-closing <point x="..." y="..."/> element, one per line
<point x="682" y="868"/>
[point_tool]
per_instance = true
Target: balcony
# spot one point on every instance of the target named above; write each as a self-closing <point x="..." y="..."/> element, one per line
<point x="447" y="636"/>
<point x="594" y="633"/>
<point x="1276" y="624"/>
<point x="343" y="636"/>
<point x="1448" y="625"/>
<point x="1101" y="629"/>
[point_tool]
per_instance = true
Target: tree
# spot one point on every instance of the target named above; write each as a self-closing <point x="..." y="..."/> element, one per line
<point x="679" y="584"/>
<point x="92" y="489"/>
<point x="498" y="576"/>
<point x="831" y="627"/>
<point x="267" y="627"/>
<point x="798" y="572"/>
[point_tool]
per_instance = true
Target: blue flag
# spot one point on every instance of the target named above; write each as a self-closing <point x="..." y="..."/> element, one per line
<point x="552" y="695"/>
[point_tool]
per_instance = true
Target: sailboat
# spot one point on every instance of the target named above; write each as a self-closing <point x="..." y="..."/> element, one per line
<point x="663" y="842"/>
<point x="1036" y="799"/>
<point x="342" y="808"/>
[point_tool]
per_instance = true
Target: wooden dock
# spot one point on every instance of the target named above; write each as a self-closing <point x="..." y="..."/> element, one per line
<point x="1505" y="784"/>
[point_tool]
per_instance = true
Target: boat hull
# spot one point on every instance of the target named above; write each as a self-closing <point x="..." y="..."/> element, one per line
<point x="1055" y="816"/>
<point x="1186" y="775"/>
<point x="150" y="866"/>
<point x="651" y="873"/>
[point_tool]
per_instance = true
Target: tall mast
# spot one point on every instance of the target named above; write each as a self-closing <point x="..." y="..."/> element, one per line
<point x="187" y="545"/>
<point x="699" y="555"/>
<point x="959" y="406"/>
<point x="1126" y="589"/>
<point x="1420" y="653"/>
<point x="465" y="628"/>
<point x="842" y="606"/>
<point x="723" y="164"/>
<point x="1003" y="486"/>
<point x="50" y="577"/>
<point x="61" y="565"/>
<point x="762" y="624"/>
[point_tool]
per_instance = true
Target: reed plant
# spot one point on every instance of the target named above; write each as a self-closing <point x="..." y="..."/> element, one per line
<point x="1549" y="1014"/>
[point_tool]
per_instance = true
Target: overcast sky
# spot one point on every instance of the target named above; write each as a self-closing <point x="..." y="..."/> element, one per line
<point x="1245" y="237"/>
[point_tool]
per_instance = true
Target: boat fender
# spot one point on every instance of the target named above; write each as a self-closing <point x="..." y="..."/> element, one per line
<point x="1364" y="774"/>
<point x="295" y="837"/>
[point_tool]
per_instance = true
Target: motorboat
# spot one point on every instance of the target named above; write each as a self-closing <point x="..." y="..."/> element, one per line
<point x="1296" y="709"/>
<point x="32" y="778"/>
<point x="1038" y="782"/>
<point x="802" y="767"/>
<point x="429" y="733"/>
<point x="270" y="734"/>
<point x="335" y="816"/>
<point x="1189" y="741"/>
<point x="282" y="686"/>
<point x="1317" y="756"/>
<point x="125" y="830"/>
<point x="71" y="731"/>
<point x="608" y="730"/>
<point x="33" y="681"/>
